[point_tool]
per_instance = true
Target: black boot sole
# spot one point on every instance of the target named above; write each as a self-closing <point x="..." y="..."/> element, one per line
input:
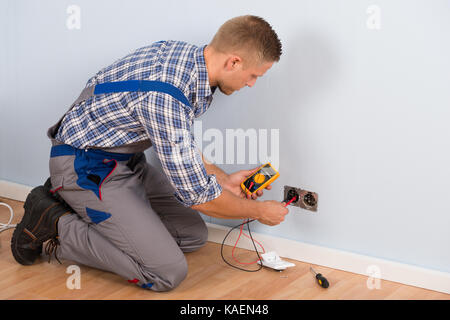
<point x="19" y="230"/>
<point x="33" y="255"/>
<point x="35" y="200"/>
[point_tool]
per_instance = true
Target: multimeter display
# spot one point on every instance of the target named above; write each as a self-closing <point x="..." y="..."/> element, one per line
<point x="260" y="179"/>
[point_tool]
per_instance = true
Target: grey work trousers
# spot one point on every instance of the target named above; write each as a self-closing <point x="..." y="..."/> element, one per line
<point x="133" y="227"/>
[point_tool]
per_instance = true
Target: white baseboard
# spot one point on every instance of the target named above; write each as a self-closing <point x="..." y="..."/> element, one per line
<point x="337" y="259"/>
<point x="317" y="255"/>
<point x="13" y="190"/>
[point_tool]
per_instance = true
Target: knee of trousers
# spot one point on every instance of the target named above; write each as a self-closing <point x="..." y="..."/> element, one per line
<point x="169" y="276"/>
<point x="196" y="239"/>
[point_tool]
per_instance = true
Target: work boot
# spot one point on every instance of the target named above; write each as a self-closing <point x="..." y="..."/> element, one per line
<point x="39" y="224"/>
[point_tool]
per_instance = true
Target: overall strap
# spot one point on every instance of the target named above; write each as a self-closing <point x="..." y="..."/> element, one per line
<point x="132" y="86"/>
<point x="123" y="86"/>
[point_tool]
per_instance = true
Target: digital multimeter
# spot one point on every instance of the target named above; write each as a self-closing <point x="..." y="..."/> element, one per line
<point x="264" y="176"/>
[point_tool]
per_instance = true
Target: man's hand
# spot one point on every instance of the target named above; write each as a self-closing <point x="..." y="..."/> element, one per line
<point x="229" y="206"/>
<point x="233" y="184"/>
<point x="271" y="212"/>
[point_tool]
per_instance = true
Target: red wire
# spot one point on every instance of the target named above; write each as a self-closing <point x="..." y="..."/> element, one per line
<point x="243" y="233"/>
<point x="232" y="252"/>
<point x="251" y="184"/>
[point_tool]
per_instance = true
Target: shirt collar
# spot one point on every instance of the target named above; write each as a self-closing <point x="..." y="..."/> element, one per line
<point x="203" y="95"/>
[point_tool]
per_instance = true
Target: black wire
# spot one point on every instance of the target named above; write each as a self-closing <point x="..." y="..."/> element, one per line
<point x="256" y="250"/>
<point x="251" y="237"/>
<point x="254" y="246"/>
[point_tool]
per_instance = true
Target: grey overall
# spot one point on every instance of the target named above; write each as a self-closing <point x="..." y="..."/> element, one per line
<point x="127" y="219"/>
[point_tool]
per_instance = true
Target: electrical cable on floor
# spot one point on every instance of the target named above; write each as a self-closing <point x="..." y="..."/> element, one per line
<point x="294" y="198"/>
<point x="256" y="250"/>
<point x="235" y="245"/>
<point x="8" y="225"/>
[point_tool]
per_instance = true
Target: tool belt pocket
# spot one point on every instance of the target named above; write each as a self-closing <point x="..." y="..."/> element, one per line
<point x="93" y="173"/>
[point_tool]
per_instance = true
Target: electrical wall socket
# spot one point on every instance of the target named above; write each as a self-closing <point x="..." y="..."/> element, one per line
<point x="306" y="199"/>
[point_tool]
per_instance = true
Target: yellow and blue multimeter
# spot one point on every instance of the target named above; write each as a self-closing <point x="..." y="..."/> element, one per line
<point x="264" y="176"/>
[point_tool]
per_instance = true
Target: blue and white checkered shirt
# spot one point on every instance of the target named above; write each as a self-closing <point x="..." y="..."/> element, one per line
<point x="116" y="119"/>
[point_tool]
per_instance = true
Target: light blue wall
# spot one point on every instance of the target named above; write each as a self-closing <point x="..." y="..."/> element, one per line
<point x="362" y="114"/>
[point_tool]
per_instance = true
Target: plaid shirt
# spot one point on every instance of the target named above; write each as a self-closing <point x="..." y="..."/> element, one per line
<point x="115" y="119"/>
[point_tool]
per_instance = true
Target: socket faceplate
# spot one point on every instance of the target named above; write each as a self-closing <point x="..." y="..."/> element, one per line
<point x="307" y="199"/>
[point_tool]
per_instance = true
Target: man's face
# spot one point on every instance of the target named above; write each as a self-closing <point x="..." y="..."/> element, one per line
<point x="236" y="76"/>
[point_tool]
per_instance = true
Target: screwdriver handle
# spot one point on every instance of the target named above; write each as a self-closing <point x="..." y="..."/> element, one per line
<point x="323" y="282"/>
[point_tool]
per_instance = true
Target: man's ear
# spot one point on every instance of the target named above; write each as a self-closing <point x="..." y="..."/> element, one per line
<point x="233" y="62"/>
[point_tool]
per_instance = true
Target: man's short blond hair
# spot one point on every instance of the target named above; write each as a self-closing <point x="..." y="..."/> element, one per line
<point x="250" y="36"/>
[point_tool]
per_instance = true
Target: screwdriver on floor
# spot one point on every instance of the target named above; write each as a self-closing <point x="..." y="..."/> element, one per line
<point x="321" y="280"/>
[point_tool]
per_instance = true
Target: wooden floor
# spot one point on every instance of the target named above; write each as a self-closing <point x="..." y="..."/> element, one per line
<point x="208" y="278"/>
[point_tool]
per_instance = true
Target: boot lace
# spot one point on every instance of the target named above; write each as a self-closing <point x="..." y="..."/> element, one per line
<point x="50" y="248"/>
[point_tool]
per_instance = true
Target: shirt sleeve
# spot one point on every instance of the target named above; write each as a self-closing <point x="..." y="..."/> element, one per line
<point x="167" y="123"/>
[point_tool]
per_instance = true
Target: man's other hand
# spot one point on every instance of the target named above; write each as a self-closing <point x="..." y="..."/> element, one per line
<point x="234" y="180"/>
